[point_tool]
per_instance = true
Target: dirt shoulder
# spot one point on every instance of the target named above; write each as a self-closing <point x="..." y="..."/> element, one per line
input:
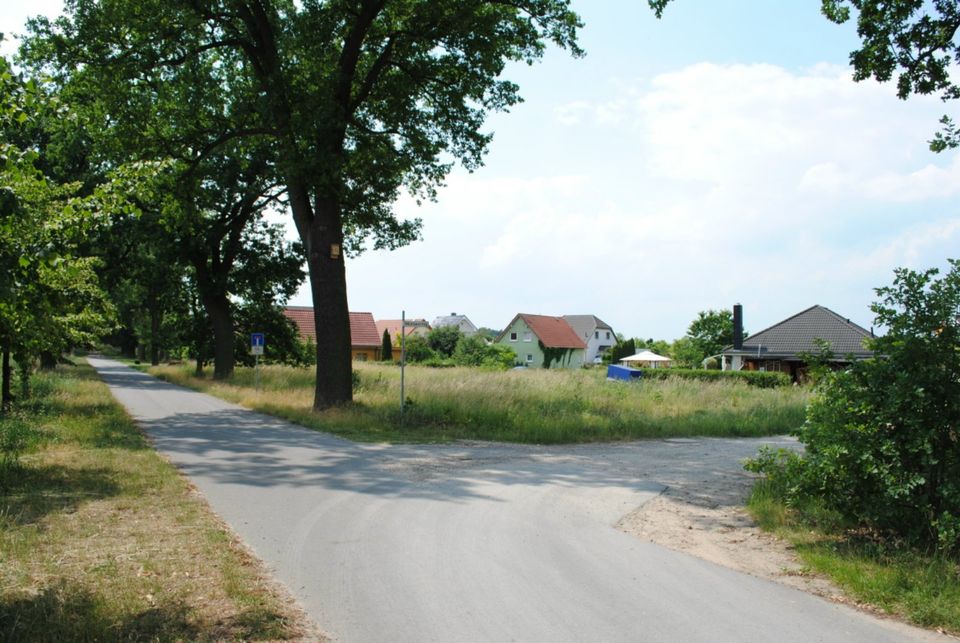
<point x="723" y="533"/>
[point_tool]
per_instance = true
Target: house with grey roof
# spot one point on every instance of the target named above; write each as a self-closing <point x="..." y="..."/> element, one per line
<point x="460" y="321"/>
<point x="782" y="346"/>
<point x="595" y="333"/>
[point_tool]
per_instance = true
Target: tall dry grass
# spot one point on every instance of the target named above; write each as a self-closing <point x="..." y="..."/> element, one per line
<point x="531" y="405"/>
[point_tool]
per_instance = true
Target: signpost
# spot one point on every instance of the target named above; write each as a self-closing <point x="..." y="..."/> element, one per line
<point x="403" y="358"/>
<point x="257" y="342"/>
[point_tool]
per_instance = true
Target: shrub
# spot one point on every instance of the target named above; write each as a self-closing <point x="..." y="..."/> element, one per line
<point x="416" y="349"/>
<point x="443" y="340"/>
<point x="882" y="441"/>
<point x="753" y="378"/>
<point x="474" y="351"/>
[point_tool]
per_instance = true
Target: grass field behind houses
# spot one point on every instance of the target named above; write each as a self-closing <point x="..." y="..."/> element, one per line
<point x="530" y="405"/>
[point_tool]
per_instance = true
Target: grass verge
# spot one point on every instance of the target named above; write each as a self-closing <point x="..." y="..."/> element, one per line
<point x="530" y="406"/>
<point x="919" y="587"/>
<point x="102" y="540"/>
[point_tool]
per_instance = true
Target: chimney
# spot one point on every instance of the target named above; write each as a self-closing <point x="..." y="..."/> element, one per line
<point x="737" y="327"/>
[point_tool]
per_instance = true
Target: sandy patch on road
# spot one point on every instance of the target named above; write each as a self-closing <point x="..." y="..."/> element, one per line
<point x="718" y="529"/>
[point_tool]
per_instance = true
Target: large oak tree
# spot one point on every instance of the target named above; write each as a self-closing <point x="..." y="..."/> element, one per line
<point x="356" y="99"/>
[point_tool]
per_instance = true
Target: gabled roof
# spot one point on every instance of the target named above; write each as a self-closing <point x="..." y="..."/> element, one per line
<point x="453" y="319"/>
<point x="363" y="330"/>
<point x="392" y="326"/>
<point x="302" y="317"/>
<point x="585" y="325"/>
<point x="553" y="332"/>
<point x="797" y="334"/>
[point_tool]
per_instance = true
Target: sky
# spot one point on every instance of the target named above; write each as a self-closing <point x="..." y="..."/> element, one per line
<point x="720" y="155"/>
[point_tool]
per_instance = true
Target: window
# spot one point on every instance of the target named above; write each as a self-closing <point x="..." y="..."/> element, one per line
<point x="527" y="337"/>
<point x="360" y="357"/>
<point x="597" y="335"/>
<point x="513" y="337"/>
<point x="529" y="358"/>
<point x="608" y="334"/>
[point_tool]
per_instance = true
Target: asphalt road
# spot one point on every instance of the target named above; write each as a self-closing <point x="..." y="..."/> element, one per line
<point x="475" y="542"/>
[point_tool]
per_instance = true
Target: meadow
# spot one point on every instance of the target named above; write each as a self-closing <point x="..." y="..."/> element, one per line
<point x="529" y="406"/>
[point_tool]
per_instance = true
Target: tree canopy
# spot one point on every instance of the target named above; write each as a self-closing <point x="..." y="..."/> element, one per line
<point x="352" y="101"/>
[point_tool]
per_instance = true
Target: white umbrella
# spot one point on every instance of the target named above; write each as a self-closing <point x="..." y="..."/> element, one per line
<point x="648" y="357"/>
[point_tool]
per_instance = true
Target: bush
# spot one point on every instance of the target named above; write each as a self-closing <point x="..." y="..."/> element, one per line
<point x="474" y="351"/>
<point x="753" y="378"/>
<point x="882" y="442"/>
<point x="444" y="339"/>
<point x="416" y="349"/>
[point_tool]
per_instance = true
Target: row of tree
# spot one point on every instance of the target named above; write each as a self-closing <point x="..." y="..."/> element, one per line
<point x="323" y="110"/>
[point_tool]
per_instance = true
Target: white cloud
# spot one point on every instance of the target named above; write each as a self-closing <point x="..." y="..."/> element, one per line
<point x="698" y="188"/>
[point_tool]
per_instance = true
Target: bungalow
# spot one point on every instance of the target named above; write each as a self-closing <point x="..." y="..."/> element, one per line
<point x="783" y="346"/>
<point x="364" y="341"/>
<point x="556" y="342"/>
<point x="460" y="321"/>
<point x="596" y="334"/>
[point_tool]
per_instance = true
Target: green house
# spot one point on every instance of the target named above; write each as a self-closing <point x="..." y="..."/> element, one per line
<point x="543" y="342"/>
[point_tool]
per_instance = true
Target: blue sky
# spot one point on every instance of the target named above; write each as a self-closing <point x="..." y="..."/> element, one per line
<point x="719" y="155"/>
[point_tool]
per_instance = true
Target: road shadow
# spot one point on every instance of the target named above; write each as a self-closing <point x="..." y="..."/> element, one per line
<point x="241" y="447"/>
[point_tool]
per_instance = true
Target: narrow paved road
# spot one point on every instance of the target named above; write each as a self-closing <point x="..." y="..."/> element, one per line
<point x="473" y="542"/>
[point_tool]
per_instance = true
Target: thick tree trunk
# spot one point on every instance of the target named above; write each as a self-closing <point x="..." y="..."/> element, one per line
<point x="218" y="309"/>
<point x="6" y="397"/>
<point x="48" y="361"/>
<point x="328" y="285"/>
<point x="155" y="317"/>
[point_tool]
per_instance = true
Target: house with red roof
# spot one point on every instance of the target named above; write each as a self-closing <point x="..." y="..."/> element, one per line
<point x="541" y="341"/>
<point x="364" y="338"/>
<point x="392" y="327"/>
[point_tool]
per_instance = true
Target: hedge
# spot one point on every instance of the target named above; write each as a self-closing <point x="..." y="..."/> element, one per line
<point x="759" y="379"/>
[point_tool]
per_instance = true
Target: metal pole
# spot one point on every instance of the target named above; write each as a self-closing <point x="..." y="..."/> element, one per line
<point x="403" y="358"/>
<point x="256" y="371"/>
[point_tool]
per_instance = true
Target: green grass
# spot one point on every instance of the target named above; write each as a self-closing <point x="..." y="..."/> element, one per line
<point x="102" y="540"/>
<point x="530" y="406"/>
<point x="920" y="587"/>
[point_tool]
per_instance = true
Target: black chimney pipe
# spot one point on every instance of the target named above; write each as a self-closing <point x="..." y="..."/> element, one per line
<point x="737" y="327"/>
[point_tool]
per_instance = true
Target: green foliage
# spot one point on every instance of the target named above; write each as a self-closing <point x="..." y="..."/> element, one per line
<point x="710" y="332"/>
<point x="685" y="353"/>
<point x="474" y="351"/>
<point x="551" y="355"/>
<point x="386" y="347"/>
<point x="416" y="349"/>
<point x="914" y="40"/>
<point x="443" y="340"/>
<point x="344" y="107"/>
<point x="623" y="348"/>
<point x="753" y="378"/>
<point x="50" y="296"/>
<point x="881" y="438"/>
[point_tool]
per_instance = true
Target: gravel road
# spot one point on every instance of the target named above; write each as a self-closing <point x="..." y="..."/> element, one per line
<point x="476" y="542"/>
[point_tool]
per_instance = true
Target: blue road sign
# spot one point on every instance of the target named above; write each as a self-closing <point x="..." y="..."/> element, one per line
<point x="257" y="339"/>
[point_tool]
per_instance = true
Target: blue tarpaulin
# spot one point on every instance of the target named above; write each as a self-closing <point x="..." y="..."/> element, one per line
<point x="625" y="373"/>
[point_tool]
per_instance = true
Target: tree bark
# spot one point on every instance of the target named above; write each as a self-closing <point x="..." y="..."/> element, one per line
<point x="218" y="309"/>
<point x="155" y="334"/>
<point x="6" y="397"/>
<point x="328" y="285"/>
<point x="48" y="361"/>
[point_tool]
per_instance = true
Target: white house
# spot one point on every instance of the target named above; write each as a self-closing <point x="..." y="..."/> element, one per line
<point x="595" y="333"/>
<point x="460" y="321"/>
